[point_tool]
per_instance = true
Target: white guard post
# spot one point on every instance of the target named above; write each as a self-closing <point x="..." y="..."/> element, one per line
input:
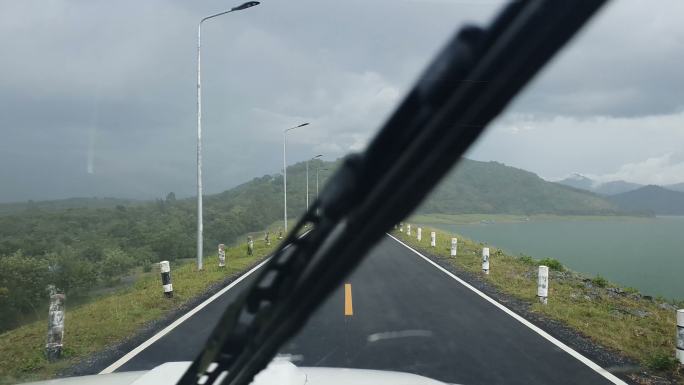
<point x="250" y="245"/>
<point x="408" y="229"/>
<point x="433" y="239"/>
<point x="485" y="260"/>
<point x="454" y="246"/>
<point x="543" y="284"/>
<point x="222" y="255"/>
<point x="401" y="227"/>
<point x="165" y="269"/>
<point x="55" y="335"/>
<point x="680" y="335"/>
<point x="420" y="234"/>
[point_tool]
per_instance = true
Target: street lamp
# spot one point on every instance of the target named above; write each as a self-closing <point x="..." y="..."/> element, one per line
<point x="200" y="226"/>
<point x="318" y="169"/>
<point x="285" y="170"/>
<point x="307" y="179"/>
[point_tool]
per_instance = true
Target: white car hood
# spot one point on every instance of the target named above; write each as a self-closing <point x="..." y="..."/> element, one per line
<point x="278" y="372"/>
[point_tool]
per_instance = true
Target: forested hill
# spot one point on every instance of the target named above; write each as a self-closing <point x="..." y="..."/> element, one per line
<point x="165" y="226"/>
<point x="492" y="187"/>
<point x="78" y="249"/>
<point x="653" y="199"/>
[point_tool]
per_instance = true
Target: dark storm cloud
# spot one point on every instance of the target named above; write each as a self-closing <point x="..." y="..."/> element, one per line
<point x="98" y="97"/>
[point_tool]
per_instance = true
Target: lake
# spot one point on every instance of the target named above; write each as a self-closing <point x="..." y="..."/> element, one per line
<point x="645" y="253"/>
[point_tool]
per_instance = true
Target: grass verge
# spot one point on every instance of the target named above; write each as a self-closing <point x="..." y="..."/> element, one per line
<point x="637" y="326"/>
<point x="109" y="319"/>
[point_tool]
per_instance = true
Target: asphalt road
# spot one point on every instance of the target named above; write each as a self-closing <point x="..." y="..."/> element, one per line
<point x="401" y="313"/>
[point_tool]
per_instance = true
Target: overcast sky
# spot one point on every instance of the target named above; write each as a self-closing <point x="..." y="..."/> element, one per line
<point x="97" y="98"/>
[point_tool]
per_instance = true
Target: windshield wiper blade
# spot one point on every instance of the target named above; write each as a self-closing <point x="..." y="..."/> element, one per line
<point x="469" y="83"/>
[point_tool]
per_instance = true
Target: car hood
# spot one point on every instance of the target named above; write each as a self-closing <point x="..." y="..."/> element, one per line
<point x="277" y="373"/>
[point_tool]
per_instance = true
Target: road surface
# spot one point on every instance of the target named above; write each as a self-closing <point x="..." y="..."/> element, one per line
<point x="399" y="312"/>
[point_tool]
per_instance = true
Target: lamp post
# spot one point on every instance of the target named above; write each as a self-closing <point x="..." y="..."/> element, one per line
<point x="285" y="170"/>
<point x="307" y="179"/>
<point x="318" y="169"/>
<point x="200" y="226"/>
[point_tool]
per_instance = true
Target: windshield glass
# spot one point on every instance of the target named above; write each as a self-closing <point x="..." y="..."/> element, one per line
<point x="154" y="154"/>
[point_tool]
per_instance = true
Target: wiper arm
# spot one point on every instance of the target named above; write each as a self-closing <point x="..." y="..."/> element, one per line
<point x="470" y="82"/>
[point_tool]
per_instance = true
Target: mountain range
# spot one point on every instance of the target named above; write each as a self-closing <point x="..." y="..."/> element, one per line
<point x="633" y="197"/>
<point x="471" y="187"/>
<point x="492" y="187"/>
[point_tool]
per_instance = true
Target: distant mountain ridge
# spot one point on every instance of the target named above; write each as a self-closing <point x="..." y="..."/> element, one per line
<point x="675" y="187"/>
<point x="492" y="187"/>
<point x="651" y="199"/>
<point x="604" y="188"/>
<point x="634" y="197"/>
<point x="471" y="187"/>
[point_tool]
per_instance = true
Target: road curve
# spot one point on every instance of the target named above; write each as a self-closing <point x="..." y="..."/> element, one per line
<point x="399" y="312"/>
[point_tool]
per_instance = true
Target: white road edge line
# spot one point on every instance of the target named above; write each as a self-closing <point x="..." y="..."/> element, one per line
<point x="591" y="364"/>
<point x="127" y="357"/>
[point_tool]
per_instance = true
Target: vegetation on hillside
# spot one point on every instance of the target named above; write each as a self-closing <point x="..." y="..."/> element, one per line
<point x="81" y="249"/>
<point x="492" y="187"/>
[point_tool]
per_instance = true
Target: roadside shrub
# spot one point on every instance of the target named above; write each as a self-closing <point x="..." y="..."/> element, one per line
<point x="662" y="361"/>
<point x="552" y="263"/>
<point x="115" y="263"/>
<point x="631" y="290"/>
<point x="526" y="259"/>
<point x="599" y="281"/>
<point x="22" y="287"/>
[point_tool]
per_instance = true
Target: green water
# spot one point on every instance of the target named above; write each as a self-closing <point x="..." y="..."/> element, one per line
<point x="647" y="254"/>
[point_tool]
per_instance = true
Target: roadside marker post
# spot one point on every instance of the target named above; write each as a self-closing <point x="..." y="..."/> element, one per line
<point x="485" y="260"/>
<point x="454" y="246"/>
<point x="420" y="234"/>
<point x="408" y="229"/>
<point x="55" y="334"/>
<point x="401" y="227"/>
<point x="680" y="336"/>
<point x="165" y="269"/>
<point x="250" y="245"/>
<point x="543" y="284"/>
<point x="222" y="255"/>
<point x="433" y="239"/>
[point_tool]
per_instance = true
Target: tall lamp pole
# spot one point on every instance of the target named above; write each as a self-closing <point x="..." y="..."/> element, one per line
<point x="307" y="179"/>
<point x="285" y="171"/>
<point x="200" y="225"/>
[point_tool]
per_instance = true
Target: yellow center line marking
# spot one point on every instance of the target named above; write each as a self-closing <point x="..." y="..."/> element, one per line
<point x="348" y="308"/>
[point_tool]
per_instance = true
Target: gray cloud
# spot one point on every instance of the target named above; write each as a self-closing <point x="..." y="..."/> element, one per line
<point x="98" y="98"/>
